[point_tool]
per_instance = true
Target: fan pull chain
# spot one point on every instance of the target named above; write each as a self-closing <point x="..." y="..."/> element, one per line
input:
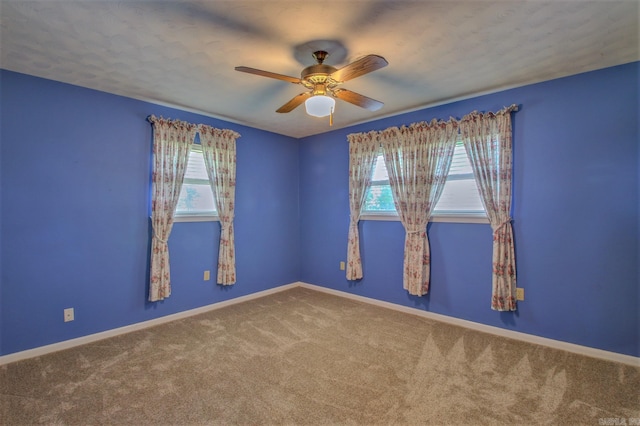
<point x="331" y="117"/>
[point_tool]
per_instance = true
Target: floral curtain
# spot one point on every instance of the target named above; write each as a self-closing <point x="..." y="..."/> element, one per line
<point x="487" y="140"/>
<point x="363" y="150"/>
<point x="418" y="158"/>
<point x="172" y="141"/>
<point x="219" y="152"/>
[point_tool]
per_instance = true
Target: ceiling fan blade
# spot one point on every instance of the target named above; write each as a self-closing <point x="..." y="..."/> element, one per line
<point x="360" y="67"/>
<point x="358" y="99"/>
<point x="293" y="103"/>
<point x="268" y="74"/>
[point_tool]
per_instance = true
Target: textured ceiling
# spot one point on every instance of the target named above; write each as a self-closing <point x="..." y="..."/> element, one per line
<point x="183" y="53"/>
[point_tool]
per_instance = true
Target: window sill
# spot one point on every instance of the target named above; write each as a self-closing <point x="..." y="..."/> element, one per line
<point x="448" y="218"/>
<point x="196" y="218"/>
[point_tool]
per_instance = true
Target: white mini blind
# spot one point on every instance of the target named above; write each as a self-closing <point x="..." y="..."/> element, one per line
<point x="195" y="167"/>
<point x="460" y="194"/>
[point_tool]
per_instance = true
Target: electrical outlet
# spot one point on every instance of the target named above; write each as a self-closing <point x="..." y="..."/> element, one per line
<point x="207" y="275"/>
<point x="342" y="266"/>
<point x="519" y="293"/>
<point x="68" y="315"/>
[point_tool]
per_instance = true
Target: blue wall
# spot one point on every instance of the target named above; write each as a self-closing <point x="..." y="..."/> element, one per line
<point x="575" y="216"/>
<point x="74" y="207"/>
<point x="75" y="214"/>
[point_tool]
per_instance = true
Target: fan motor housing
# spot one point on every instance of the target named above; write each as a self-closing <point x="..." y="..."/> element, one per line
<point x="317" y="73"/>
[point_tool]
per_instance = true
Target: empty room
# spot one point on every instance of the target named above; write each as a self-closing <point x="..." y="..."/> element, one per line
<point x="343" y="212"/>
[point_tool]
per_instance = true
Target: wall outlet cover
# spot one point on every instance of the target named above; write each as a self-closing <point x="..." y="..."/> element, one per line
<point x="68" y="315"/>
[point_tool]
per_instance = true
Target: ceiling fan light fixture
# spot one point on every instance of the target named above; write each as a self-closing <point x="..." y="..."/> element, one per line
<point x="320" y="105"/>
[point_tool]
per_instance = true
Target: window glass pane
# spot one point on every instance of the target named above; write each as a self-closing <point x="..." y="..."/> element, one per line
<point x="379" y="199"/>
<point x="460" y="194"/>
<point x="196" y="197"/>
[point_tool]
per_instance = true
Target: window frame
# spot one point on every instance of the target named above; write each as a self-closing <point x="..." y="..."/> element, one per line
<point x="450" y="217"/>
<point x="196" y="217"/>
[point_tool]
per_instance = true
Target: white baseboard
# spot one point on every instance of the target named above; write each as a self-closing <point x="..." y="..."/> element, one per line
<point x="55" y="347"/>
<point x="516" y="335"/>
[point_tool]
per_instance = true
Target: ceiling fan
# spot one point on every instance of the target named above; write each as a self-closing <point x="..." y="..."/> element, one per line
<point x="323" y="82"/>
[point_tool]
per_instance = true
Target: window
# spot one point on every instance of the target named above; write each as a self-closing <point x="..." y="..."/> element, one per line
<point x="196" y="198"/>
<point x="460" y="200"/>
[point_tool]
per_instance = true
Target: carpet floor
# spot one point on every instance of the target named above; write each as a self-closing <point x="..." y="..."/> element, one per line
<point x="302" y="357"/>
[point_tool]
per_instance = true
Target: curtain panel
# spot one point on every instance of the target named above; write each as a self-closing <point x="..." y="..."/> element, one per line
<point x="219" y="152"/>
<point x="363" y="150"/>
<point x="418" y="158"/>
<point x="488" y="141"/>
<point x="172" y="141"/>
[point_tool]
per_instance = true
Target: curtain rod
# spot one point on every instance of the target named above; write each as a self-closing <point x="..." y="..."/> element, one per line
<point x="510" y="108"/>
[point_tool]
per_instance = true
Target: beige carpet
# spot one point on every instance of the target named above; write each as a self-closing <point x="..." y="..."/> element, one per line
<point x="305" y="357"/>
